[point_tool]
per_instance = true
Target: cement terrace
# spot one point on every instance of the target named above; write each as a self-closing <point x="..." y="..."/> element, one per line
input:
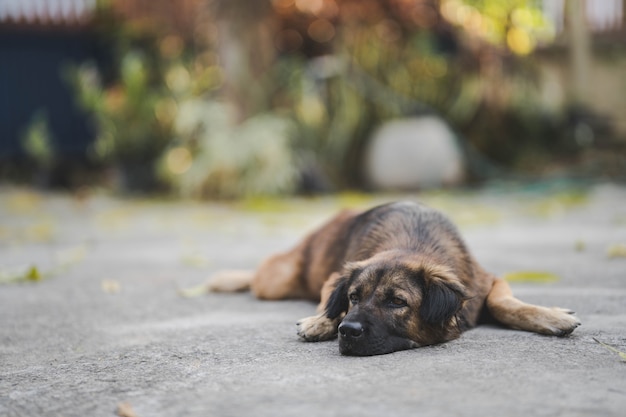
<point x="106" y="325"/>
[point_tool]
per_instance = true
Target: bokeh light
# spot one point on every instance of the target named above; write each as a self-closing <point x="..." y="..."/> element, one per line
<point x="321" y="30"/>
<point x="179" y="160"/>
<point x="178" y="78"/>
<point x="310" y="6"/>
<point x="288" y="40"/>
<point x="519" y="41"/>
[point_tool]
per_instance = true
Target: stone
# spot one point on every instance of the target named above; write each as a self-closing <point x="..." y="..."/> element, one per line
<point x="414" y="153"/>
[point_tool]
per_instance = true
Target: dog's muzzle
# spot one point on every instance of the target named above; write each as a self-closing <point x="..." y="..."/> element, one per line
<point x="359" y="336"/>
<point x="351" y="330"/>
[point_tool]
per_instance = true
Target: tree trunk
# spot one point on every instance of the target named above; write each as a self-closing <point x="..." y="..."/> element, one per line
<point x="579" y="40"/>
<point x="246" y="52"/>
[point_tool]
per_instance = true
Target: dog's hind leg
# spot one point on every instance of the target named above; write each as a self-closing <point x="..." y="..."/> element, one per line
<point x="280" y="277"/>
<point x="510" y="311"/>
<point x="230" y="281"/>
<point x="277" y="278"/>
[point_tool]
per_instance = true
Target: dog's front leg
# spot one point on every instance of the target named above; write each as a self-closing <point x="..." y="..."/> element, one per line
<point x="516" y="314"/>
<point x="320" y="327"/>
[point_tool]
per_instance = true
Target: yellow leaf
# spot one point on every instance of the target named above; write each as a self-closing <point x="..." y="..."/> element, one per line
<point x="195" y="260"/>
<point x="265" y="205"/>
<point x="579" y="246"/>
<point x="193" y="291"/>
<point x="33" y="274"/>
<point x="531" y="276"/>
<point x="71" y="256"/>
<point x="353" y="199"/>
<point x="110" y="286"/>
<point x="559" y="203"/>
<point x="612" y="349"/>
<point x="23" y="273"/>
<point x="617" y="250"/>
<point x="24" y="202"/>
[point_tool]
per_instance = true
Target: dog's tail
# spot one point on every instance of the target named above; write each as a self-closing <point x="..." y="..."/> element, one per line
<point x="230" y="281"/>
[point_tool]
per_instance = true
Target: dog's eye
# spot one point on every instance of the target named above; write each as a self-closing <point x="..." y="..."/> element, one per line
<point x="397" y="302"/>
<point x="354" y="298"/>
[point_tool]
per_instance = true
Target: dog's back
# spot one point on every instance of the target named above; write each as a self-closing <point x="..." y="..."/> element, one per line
<point x="409" y="226"/>
<point x="353" y="236"/>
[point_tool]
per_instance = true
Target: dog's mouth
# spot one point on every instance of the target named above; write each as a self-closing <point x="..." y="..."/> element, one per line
<point x="370" y="346"/>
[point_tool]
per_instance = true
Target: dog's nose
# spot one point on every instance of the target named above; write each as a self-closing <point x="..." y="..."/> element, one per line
<point x="351" y="329"/>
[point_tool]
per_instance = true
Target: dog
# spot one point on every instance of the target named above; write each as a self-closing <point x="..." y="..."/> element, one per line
<point x="395" y="277"/>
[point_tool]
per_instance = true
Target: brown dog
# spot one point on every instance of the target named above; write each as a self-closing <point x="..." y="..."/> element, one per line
<point x="395" y="277"/>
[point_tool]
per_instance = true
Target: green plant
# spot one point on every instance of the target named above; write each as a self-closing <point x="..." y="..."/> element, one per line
<point x="37" y="141"/>
<point x="216" y="157"/>
<point x="518" y="25"/>
<point x="133" y="117"/>
<point x="336" y="101"/>
<point x="127" y="112"/>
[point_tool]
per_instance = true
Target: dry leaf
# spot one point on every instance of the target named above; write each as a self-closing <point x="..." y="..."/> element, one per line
<point x="617" y="250"/>
<point x="192" y="292"/>
<point x="24" y="273"/>
<point x="125" y="410"/>
<point x="579" y="246"/>
<point x="195" y="260"/>
<point x="612" y="349"/>
<point x="71" y="256"/>
<point x="110" y="286"/>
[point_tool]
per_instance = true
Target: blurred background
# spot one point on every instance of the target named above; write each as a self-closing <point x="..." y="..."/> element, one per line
<point x="225" y="99"/>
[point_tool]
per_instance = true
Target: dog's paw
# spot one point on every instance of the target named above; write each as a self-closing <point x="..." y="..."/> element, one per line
<point x="556" y="321"/>
<point x="230" y="281"/>
<point x="317" y="328"/>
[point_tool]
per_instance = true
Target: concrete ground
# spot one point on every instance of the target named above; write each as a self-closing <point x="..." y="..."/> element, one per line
<point x="99" y="325"/>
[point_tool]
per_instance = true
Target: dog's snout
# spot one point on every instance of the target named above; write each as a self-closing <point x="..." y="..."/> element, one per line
<point x="351" y="329"/>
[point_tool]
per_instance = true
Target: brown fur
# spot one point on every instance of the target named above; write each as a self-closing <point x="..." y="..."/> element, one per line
<point x="395" y="277"/>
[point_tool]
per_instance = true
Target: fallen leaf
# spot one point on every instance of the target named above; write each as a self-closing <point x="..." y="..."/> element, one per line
<point x="612" y="349"/>
<point x="353" y="199"/>
<point x="24" y="202"/>
<point x="125" y="410"/>
<point x="620" y="220"/>
<point x="195" y="259"/>
<point x="579" y="246"/>
<point x="71" y="256"/>
<point x="617" y="250"/>
<point x="192" y="292"/>
<point x="110" y="286"/>
<point x="559" y="203"/>
<point x="531" y="276"/>
<point x="24" y="273"/>
<point x="473" y="216"/>
<point x="265" y="205"/>
<point x="33" y="274"/>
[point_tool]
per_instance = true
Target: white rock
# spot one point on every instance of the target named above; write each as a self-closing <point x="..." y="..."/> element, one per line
<point x="412" y="153"/>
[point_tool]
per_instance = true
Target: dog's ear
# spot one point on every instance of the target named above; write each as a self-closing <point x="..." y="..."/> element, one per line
<point x="442" y="298"/>
<point x="338" y="300"/>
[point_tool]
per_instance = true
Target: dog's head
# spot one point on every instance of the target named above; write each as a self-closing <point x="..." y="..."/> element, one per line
<point x="395" y="303"/>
